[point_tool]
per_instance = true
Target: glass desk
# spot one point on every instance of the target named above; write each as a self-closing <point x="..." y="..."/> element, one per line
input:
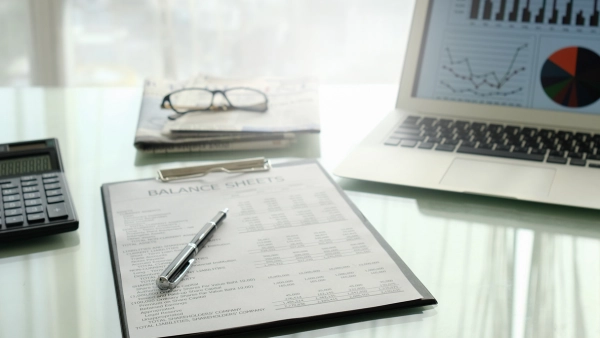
<point x="499" y="268"/>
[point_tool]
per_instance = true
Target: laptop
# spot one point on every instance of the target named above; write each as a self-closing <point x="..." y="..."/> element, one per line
<point x="497" y="98"/>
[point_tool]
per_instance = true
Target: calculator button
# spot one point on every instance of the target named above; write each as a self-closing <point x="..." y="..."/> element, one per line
<point x="33" y="218"/>
<point x="50" y="180"/>
<point x="30" y="189"/>
<point x="55" y="199"/>
<point x="31" y="195"/>
<point x="15" y="220"/>
<point x="10" y="191"/>
<point x="12" y="205"/>
<point x="51" y="186"/>
<point x="33" y="210"/>
<point x="11" y="198"/>
<point x="8" y="186"/>
<point x="49" y="175"/>
<point x="28" y="178"/>
<point x="56" y="192"/>
<point x="13" y="212"/>
<point x="29" y="183"/>
<point x="30" y="203"/>
<point x="57" y="211"/>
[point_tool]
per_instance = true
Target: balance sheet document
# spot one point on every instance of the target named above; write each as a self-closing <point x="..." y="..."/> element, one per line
<point x="291" y="247"/>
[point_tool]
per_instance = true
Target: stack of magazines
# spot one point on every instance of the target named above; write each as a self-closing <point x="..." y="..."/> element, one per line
<point x="215" y="114"/>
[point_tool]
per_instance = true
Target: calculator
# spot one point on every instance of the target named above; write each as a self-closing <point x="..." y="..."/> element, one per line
<point x="35" y="195"/>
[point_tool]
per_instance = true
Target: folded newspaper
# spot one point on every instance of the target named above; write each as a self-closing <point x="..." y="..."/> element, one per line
<point x="293" y="107"/>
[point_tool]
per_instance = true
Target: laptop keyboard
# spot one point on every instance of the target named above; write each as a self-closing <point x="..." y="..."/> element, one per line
<point x="498" y="140"/>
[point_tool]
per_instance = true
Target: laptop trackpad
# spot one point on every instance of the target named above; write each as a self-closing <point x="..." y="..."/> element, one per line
<point x="495" y="178"/>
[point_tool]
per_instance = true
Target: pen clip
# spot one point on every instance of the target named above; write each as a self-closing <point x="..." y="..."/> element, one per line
<point x="167" y="282"/>
<point x="180" y="276"/>
<point x="232" y="167"/>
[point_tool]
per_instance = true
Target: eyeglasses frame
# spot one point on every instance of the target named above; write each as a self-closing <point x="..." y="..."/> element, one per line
<point x="211" y="107"/>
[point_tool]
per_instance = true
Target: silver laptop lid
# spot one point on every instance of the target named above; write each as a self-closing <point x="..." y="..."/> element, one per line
<point x="534" y="62"/>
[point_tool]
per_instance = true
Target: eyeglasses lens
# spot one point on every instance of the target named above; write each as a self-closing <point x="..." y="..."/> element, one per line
<point x="191" y="99"/>
<point x="246" y="99"/>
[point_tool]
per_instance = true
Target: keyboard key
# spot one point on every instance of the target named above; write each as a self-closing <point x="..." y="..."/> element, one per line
<point x="523" y="150"/>
<point x="595" y="165"/>
<point x="14" y="221"/>
<point x="409" y="137"/>
<point x="487" y="146"/>
<point x="11" y="198"/>
<point x="12" y="205"/>
<point x="556" y="153"/>
<point x="28" y="178"/>
<point x="547" y="133"/>
<point x="29" y="183"/>
<point x="55" y="199"/>
<point x="8" y="186"/>
<point x="13" y="191"/>
<point x="13" y="212"/>
<point x="512" y="130"/>
<point x="33" y="210"/>
<point x="412" y="119"/>
<point x="593" y="157"/>
<point x="57" y="211"/>
<point x="583" y="136"/>
<point x="529" y="131"/>
<point x="537" y="151"/>
<point x="407" y="131"/>
<point x="426" y="145"/>
<point x="408" y="144"/>
<point x="51" y="186"/>
<point x="468" y="144"/>
<point x="461" y="124"/>
<point x="478" y="126"/>
<point x="31" y="195"/>
<point x="565" y="135"/>
<point x="576" y="155"/>
<point x="30" y="189"/>
<point x="556" y="159"/>
<point x="50" y="180"/>
<point x="409" y="127"/>
<point x="504" y="154"/>
<point x="578" y="162"/>
<point x="49" y="175"/>
<point x="451" y="142"/>
<point x="434" y="140"/>
<point x="55" y="192"/>
<point x="445" y="147"/>
<point x="30" y="203"/>
<point x="428" y="121"/>
<point x="501" y="147"/>
<point x="36" y="218"/>
<point x="392" y="142"/>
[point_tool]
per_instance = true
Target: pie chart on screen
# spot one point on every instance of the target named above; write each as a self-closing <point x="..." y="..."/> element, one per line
<point x="571" y="77"/>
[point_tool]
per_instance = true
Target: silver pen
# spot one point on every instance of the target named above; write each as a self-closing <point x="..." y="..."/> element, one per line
<point x="174" y="273"/>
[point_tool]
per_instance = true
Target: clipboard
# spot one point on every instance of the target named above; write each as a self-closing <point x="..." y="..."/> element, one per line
<point x="426" y="297"/>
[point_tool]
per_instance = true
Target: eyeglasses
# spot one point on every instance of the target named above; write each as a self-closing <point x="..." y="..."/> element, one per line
<point x="190" y="100"/>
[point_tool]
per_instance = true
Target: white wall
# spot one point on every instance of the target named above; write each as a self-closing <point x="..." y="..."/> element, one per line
<point x="111" y="42"/>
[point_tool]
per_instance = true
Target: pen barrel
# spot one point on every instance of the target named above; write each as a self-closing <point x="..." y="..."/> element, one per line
<point x="204" y="235"/>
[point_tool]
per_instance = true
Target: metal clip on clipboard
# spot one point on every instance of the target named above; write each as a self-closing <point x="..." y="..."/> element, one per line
<point x="232" y="167"/>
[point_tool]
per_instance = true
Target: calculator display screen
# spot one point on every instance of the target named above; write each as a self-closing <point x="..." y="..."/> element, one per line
<point x="25" y="165"/>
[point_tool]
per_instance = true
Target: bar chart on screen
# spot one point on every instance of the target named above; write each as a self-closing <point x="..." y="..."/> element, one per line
<point x="562" y="13"/>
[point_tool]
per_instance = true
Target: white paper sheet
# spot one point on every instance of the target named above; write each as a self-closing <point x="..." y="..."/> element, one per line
<point x="290" y="247"/>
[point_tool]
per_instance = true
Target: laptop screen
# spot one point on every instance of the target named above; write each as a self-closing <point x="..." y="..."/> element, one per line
<point x="541" y="54"/>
